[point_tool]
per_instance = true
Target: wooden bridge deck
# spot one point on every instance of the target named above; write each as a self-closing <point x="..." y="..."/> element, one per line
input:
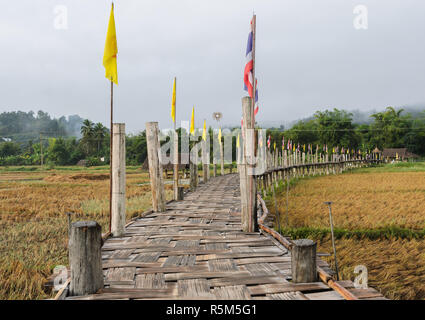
<point x="196" y="250"/>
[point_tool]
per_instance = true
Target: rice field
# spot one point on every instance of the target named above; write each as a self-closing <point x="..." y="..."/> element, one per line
<point x="379" y="217"/>
<point x="33" y="202"/>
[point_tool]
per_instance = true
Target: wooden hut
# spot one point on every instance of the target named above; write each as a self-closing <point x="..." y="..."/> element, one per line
<point x="390" y="154"/>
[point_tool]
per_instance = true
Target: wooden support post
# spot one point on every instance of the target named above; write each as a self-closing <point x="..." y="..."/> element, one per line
<point x="85" y="258"/>
<point x="215" y="170"/>
<point x="221" y="158"/>
<point x="118" y="180"/>
<point x="176" y="163"/>
<point x="155" y="167"/>
<point x="303" y="259"/>
<point x="205" y="162"/>
<point x="247" y="178"/>
<point x="180" y="193"/>
<point x="193" y="168"/>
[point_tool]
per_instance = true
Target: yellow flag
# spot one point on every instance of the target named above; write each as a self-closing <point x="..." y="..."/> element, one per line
<point x="274" y="145"/>
<point x="204" y="133"/>
<point x="173" y="102"/>
<point x="237" y="142"/>
<point x="304" y="147"/>
<point x="219" y="135"/>
<point x="192" y="122"/>
<point x="111" y="50"/>
<point x="294" y="148"/>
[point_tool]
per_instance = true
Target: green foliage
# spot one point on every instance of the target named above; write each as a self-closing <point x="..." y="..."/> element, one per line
<point x="136" y="148"/>
<point x="9" y="149"/>
<point x="336" y="128"/>
<point x="94" y="161"/>
<point x="390" y="129"/>
<point x="58" y="151"/>
<point x="389" y="232"/>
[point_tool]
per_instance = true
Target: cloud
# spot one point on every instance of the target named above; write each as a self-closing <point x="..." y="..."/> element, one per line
<point x="309" y="57"/>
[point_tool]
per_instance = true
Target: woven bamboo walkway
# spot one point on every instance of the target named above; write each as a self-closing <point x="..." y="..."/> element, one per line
<point x="196" y="250"/>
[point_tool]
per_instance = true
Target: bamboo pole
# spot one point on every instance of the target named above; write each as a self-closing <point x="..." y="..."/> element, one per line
<point x="155" y="167"/>
<point x="110" y="156"/>
<point x="118" y="185"/>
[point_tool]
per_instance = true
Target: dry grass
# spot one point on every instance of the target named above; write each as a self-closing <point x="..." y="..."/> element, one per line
<point x="395" y="267"/>
<point x="34" y="227"/>
<point x="367" y="200"/>
<point x="360" y="200"/>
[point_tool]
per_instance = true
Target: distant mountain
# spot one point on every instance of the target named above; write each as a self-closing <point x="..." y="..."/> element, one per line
<point x="22" y="127"/>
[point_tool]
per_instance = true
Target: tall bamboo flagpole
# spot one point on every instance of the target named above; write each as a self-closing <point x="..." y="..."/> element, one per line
<point x="176" y="143"/>
<point x="110" y="64"/>
<point x="110" y="156"/>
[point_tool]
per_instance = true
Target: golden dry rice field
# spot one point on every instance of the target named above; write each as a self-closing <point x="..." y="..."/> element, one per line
<point x="368" y="202"/>
<point x="379" y="216"/>
<point x="33" y="224"/>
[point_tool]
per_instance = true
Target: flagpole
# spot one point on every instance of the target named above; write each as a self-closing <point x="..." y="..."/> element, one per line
<point x="254" y="85"/>
<point x="110" y="157"/>
<point x="176" y="150"/>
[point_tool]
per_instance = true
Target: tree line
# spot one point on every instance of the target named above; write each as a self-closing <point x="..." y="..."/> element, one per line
<point x="390" y="128"/>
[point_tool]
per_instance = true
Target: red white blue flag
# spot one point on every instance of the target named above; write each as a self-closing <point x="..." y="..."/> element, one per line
<point x="248" y="78"/>
<point x="256" y="98"/>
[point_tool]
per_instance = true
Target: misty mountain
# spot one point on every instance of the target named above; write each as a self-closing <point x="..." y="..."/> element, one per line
<point x="22" y="127"/>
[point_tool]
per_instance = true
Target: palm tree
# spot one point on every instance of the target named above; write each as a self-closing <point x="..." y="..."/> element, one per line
<point x="99" y="133"/>
<point x="87" y="132"/>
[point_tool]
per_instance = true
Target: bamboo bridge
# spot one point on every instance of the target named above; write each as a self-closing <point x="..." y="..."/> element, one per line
<point x="196" y="249"/>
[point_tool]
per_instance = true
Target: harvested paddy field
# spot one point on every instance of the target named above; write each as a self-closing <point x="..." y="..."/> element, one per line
<point x="33" y="202"/>
<point x="379" y="220"/>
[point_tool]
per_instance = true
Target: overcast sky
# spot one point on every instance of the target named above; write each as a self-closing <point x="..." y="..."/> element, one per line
<point x="309" y="57"/>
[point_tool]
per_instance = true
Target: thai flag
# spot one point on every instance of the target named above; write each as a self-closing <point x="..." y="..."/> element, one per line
<point x="268" y="142"/>
<point x="247" y="76"/>
<point x="256" y="98"/>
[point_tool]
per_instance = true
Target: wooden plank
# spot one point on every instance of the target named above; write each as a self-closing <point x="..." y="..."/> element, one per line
<point x="236" y="255"/>
<point x="250" y="280"/>
<point x="147" y="257"/>
<point x="116" y="293"/>
<point x="287" y="287"/>
<point x="173" y="269"/>
<point x="232" y="293"/>
<point x="222" y="265"/>
<point x="365" y="293"/>
<point x="136" y="245"/>
<point x="260" y="269"/>
<point x="288" y="296"/>
<point x="326" y="295"/>
<point x="121" y="274"/>
<point x="194" y="288"/>
<point x="204" y="274"/>
<point x="120" y="254"/>
<point x="244" y="261"/>
<point x="150" y="281"/>
<point x="122" y="264"/>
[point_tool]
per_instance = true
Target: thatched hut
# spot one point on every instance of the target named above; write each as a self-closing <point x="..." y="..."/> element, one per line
<point x="398" y="154"/>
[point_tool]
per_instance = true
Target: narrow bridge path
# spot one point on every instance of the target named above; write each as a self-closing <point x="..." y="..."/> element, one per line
<point x="196" y="250"/>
